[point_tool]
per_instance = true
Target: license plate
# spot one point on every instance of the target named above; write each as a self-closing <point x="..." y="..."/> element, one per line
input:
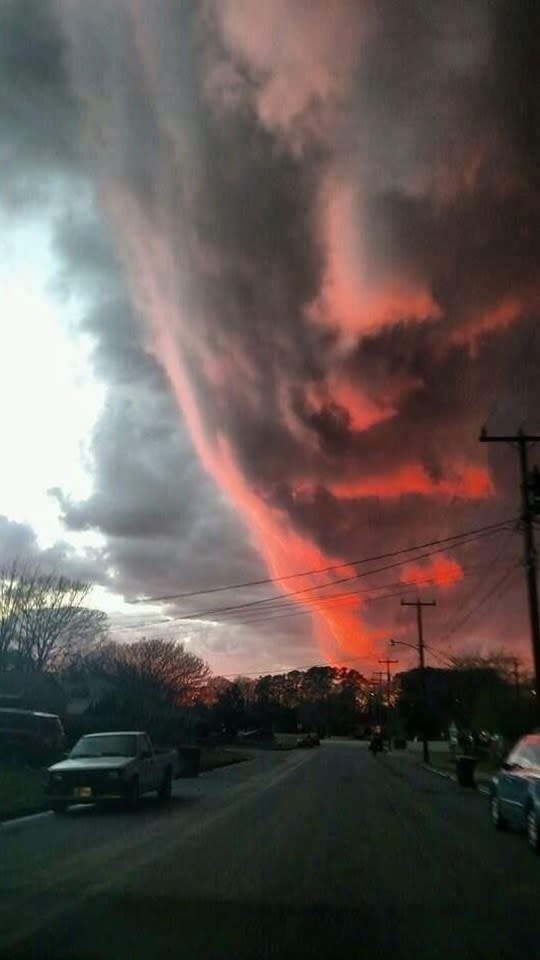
<point x="83" y="792"/>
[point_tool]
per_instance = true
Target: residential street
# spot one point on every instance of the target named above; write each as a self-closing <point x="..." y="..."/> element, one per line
<point x="323" y="853"/>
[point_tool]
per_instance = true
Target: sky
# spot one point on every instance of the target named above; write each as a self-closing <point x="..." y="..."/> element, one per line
<point x="258" y="300"/>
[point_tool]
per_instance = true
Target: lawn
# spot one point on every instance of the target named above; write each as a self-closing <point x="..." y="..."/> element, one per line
<point x="21" y="791"/>
<point x="21" y="788"/>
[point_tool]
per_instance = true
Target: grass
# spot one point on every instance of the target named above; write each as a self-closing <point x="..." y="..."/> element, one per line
<point x="21" y="791"/>
<point x="21" y="787"/>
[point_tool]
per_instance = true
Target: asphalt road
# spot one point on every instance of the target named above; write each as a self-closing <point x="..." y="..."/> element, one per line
<point x="324" y="853"/>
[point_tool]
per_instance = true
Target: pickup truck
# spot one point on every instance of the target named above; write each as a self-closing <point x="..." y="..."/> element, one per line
<point x="111" y="766"/>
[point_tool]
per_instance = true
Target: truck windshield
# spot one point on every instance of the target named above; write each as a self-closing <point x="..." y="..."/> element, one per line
<point x="116" y="745"/>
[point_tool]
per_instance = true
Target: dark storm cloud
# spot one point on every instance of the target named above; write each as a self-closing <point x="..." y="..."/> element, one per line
<point x="166" y="528"/>
<point x="353" y="249"/>
<point x="38" y="115"/>
<point x="164" y="525"/>
<point x="19" y="544"/>
<point x="342" y="252"/>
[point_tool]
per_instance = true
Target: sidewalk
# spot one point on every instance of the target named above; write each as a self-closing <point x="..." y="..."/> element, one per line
<point x="443" y="764"/>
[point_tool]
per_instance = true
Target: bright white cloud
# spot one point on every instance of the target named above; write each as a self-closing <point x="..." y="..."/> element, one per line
<point x="49" y="399"/>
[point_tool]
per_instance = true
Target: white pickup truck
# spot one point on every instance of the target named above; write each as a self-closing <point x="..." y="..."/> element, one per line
<point x="111" y="766"/>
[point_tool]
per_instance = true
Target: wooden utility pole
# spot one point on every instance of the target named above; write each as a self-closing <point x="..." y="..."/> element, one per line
<point x="388" y="663"/>
<point x="419" y="604"/>
<point x="378" y="678"/>
<point x="523" y="440"/>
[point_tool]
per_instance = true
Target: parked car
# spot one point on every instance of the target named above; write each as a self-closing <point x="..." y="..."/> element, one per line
<point x="515" y="790"/>
<point x="111" y="766"/>
<point x="30" y="735"/>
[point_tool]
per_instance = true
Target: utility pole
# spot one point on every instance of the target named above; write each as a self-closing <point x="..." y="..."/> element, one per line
<point x="388" y="664"/>
<point x="523" y="440"/>
<point x="419" y="604"/>
<point x="378" y="678"/>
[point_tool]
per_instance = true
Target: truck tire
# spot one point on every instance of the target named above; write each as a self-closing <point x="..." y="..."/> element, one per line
<point x="59" y="807"/>
<point x="533" y="830"/>
<point x="165" y="790"/>
<point x="133" y="794"/>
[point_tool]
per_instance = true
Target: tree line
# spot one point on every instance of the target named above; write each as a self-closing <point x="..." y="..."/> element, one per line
<point x="47" y="628"/>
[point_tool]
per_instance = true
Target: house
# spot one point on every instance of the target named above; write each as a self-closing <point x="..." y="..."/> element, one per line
<point x="31" y="691"/>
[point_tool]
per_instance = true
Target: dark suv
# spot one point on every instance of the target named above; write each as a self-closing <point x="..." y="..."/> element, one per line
<point x="29" y="735"/>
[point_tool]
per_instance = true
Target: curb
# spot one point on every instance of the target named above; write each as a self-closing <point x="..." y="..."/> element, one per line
<point x="450" y="776"/>
<point x="25" y="818"/>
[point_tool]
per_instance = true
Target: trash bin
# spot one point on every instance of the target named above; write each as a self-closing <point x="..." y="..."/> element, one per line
<point x="465" y="766"/>
<point x="189" y="761"/>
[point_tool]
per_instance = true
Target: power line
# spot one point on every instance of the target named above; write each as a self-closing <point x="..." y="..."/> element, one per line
<point x="261" y="617"/>
<point x="301" y="592"/>
<point x="271" y="604"/>
<point x="286" y="603"/>
<point x="490" y="566"/>
<point x="489" y="593"/>
<point x="306" y="573"/>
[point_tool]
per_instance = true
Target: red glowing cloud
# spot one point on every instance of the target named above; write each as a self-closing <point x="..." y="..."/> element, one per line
<point x="284" y="550"/>
<point x="439" y="571"/>
<point x="351" y="300"/>
<point x="470" y="482"/>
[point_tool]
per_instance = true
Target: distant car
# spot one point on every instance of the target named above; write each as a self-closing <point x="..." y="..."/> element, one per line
<point x="254" y="735"/>
<point x="30" y="735"/>
<point x="308" y="740"/>
<point x="515" y="790"/>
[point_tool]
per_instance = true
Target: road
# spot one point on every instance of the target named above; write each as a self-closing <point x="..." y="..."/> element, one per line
<point x="323" y="853"/>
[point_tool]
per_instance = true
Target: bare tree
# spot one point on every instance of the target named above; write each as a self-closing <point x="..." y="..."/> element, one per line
<point x="12" y="591"/>
<point x="52" y="620"/>
<point x="152" y="671"/>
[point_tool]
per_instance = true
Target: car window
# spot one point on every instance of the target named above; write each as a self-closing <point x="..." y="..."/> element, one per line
<point x="514" y="758"/>
<point x="120" y="745"/>
<point x="16" y="721"/>
<point x="526" y="759"/>
<point x="49" y="724"/>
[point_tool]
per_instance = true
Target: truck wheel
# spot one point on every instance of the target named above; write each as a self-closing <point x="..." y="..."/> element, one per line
<point x="497" y="818"/>
<point x="133" y="795"/>
<point x="59" y="806"/>
<point x="165" y="790"/>
<point x="533" y="830"/>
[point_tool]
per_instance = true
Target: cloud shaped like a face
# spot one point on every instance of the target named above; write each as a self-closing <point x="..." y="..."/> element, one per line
<point x="331" y="257"/>
<point x="339" y="274"/>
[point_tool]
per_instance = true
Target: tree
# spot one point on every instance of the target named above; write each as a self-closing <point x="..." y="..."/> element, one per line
<point x="13" y="588"/>
<point x="44" y="619"/>
<point x="54" y="619"/>
<point x="229" y="710"/>
<point x="152" y="674"/>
